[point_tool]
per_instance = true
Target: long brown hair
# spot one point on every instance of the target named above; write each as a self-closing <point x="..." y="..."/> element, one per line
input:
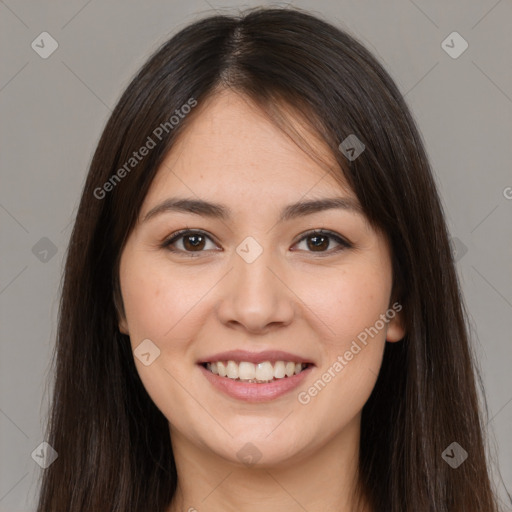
<point x="113" y="442"/>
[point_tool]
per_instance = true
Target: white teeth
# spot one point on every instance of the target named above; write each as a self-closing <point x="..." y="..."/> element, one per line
<point x="232" y="370"/>
<point x="279" y="370"/>
<point x="264" y="371"/>
<point x="221" y="367"/>
<point x="289" y="369"/>
<point x="246" y="371"/>
<point x="250" y="372"/>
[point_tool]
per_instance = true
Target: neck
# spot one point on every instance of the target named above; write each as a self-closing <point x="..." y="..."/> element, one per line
<point x="319" y="481"/>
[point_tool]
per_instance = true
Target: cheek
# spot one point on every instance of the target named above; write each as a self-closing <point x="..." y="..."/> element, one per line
<point x="163" y="309"/>
<point x="157" y="302"/>
<point x="350" y="302"/>
<point x="348" y="310"/>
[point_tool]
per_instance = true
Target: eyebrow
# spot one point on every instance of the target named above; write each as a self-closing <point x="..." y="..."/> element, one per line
<point x="216" y="210"/>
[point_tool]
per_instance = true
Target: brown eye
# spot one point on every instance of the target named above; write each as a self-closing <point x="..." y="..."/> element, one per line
<point x="319" y="241"/>
<point x="191" y="242"/>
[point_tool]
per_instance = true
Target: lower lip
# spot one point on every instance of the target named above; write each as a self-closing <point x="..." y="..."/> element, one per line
<point x="253" y="392"/>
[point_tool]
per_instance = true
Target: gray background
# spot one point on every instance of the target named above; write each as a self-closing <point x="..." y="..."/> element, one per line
<point x="53" y="111"/>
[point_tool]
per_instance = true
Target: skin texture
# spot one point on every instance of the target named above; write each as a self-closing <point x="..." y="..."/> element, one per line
<point x="293" y="297"/>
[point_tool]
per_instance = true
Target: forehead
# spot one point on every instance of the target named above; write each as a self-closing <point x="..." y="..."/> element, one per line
<point x="232" y="153"/>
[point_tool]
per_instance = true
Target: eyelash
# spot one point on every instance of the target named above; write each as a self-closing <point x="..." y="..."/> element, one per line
<point x="193" y="254"/>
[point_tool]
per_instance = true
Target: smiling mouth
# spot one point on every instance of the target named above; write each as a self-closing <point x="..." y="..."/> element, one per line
<point x="260" y="373"/>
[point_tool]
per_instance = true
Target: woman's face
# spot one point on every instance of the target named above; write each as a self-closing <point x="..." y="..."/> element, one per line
<point x="255" y="281"/>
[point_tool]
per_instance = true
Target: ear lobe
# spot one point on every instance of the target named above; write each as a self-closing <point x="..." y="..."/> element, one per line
<point x="396" y="328"/>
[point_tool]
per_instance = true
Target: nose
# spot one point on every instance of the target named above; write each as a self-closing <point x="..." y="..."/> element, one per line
<point x="255" y="296"/>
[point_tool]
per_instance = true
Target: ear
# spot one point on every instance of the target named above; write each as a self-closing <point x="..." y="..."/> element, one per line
<point x="123" y="326"/>
<point x="119" y="308"/>
<point x="396" y="325"/>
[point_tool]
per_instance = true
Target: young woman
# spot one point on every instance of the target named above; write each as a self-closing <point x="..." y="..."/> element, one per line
<point x="260" y="308"/>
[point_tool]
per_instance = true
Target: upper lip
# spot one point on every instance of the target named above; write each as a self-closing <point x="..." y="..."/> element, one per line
<point x="255" y="357"/>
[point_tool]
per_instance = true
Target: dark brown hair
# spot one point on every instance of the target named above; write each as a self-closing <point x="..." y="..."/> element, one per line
<point x="113" y="442"/>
